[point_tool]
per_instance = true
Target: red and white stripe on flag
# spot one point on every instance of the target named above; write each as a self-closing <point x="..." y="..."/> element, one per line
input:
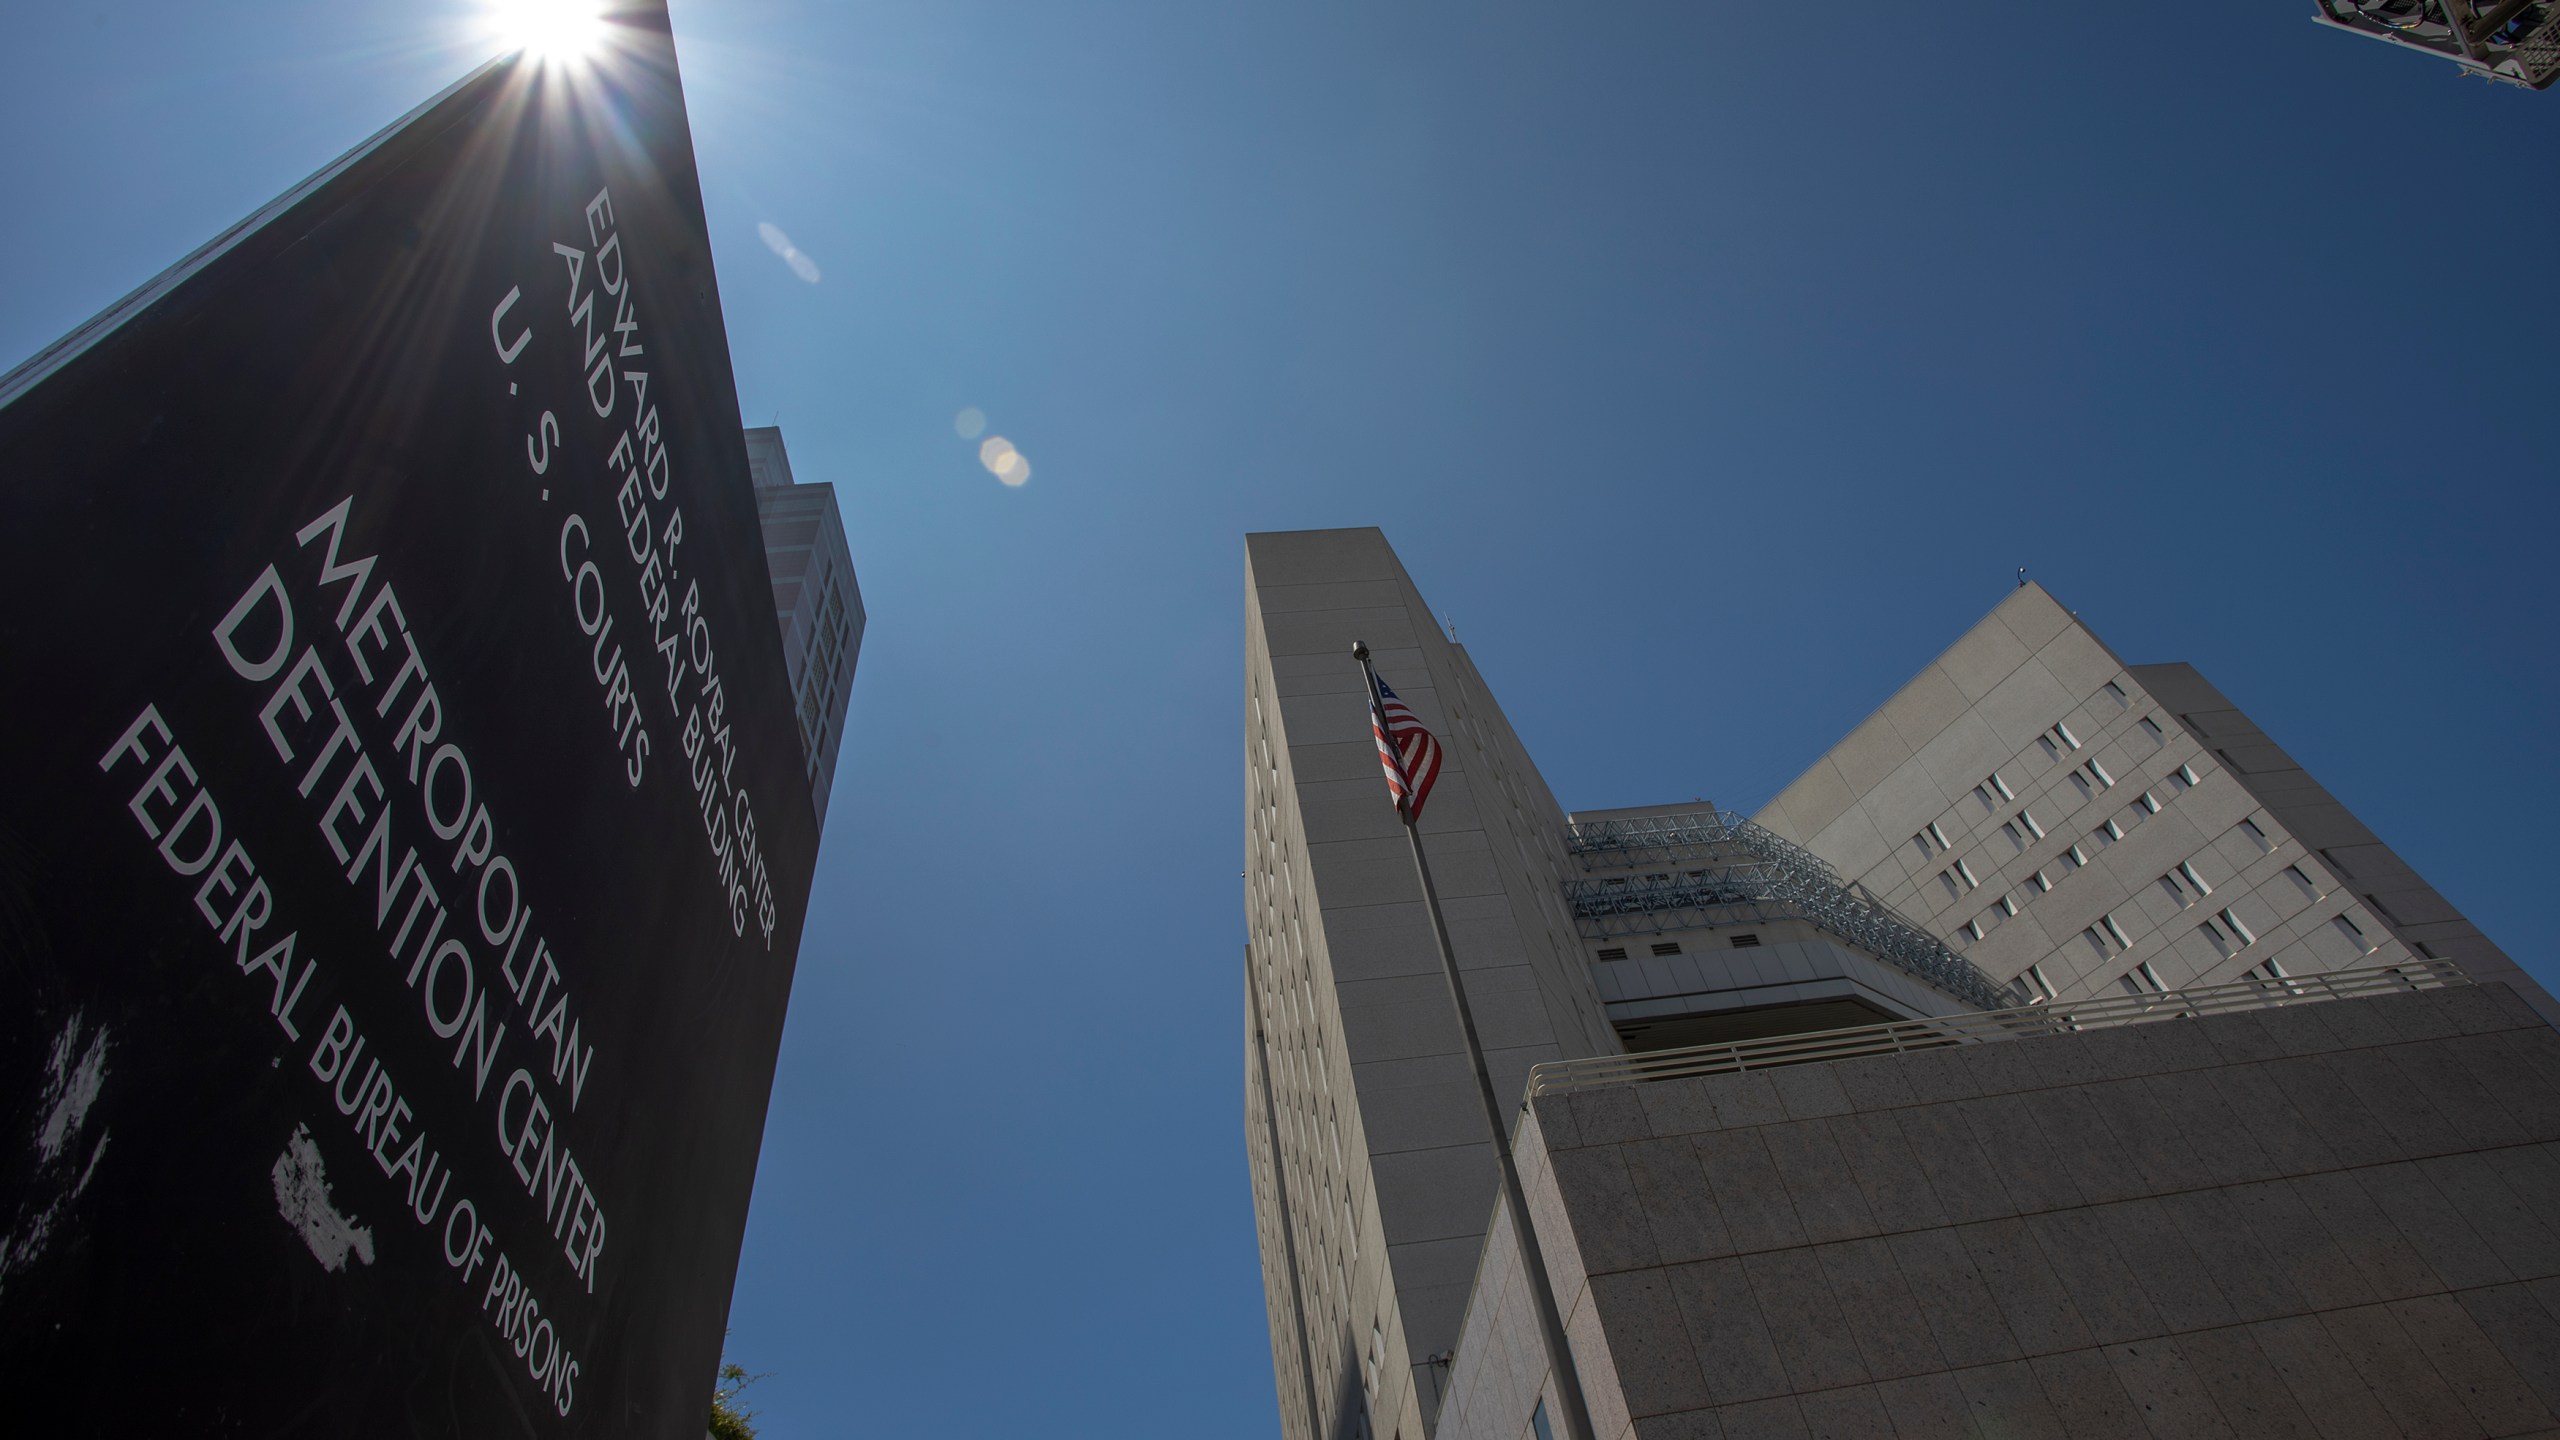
<point x="1408" y="753"/>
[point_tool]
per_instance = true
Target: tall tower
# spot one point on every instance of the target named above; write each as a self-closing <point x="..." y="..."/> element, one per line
<point x="1373" y="1176"/>
<point x="815" y="598"/>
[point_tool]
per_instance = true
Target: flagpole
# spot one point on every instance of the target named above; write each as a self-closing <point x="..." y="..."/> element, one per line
<point x="1577" y="1412"/>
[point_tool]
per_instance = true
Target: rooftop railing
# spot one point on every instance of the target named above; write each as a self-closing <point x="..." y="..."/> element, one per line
<point x="2015" y="1023"/>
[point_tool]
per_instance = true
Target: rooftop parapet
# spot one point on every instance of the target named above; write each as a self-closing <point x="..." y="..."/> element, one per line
<point x="2021" y="1022"/>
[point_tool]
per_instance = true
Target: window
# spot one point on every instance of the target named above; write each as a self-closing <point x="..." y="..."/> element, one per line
<point x="2063" y="733"/>
<point x="2188" y="774"/>
<point x="1614" y="952"/>
<point x="2256" y="836"/>
<point x="2116" y="692"/>
<point x="1966" y="871"/>
<point x="1947" y="878"/>
<point x="1983" y="794"/>
<point x="1973" y="929"/>
<point x="1666" y="947"/>
<point x="2354" y="933"/>
<point x="2152" y="728"/>
<point x="1538" y="1426"/>
<point x="2116" y="931"/>
<point x="2028" y="819"/>
<point x="2005" y="905"/>
<point x="2031" y="987"/>
<point x="2074" y="858"/>
<point x="2010" y="829"/>
<point x="2187" y="868"/>
<point x="2271" y="970"/>
<point x="2141" y="980"/>
<point x="1996" y="783"/>
<point x="2150" y="805"/>
<point x="1939" y="835"/>
<point x="2309" y="890"/>
<point x="1746" y="941"/>
<point x="2052" y="751"/>
<point x="2097" y="941"/>
<point x="2099" y="773"/>
<point x="2107" y="834"/>
<point x="2082" y="782"/>
<point x="1920" y="842"/>
<point x="2232" y="923"/>
<point x="2040" y="881"/>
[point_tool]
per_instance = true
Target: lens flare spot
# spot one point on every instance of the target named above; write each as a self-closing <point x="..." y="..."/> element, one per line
<point x="1003" y="461"/>
<point x="792" y="255"/>
<point x="970" y="423"/>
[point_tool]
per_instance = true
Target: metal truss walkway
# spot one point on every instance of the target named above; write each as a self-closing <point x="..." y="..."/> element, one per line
<point x="1739" y="873"/>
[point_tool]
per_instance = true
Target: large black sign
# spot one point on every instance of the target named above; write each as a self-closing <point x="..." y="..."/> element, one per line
<point x="403" y="842"/>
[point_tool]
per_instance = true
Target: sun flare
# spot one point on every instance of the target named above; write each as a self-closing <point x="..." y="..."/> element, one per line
<point x="549" y="30"/>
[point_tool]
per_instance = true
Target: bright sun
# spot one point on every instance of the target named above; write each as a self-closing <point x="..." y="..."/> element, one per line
<point x="549" y="29"/>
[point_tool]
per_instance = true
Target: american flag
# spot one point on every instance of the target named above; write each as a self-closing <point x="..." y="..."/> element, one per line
<point x="1407" y="752"/>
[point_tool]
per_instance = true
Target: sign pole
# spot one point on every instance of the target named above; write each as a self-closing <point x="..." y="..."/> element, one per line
<point x="1577" y="1413"/>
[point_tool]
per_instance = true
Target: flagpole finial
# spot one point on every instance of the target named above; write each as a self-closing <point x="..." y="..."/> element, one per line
<point x="1359" y="649"/>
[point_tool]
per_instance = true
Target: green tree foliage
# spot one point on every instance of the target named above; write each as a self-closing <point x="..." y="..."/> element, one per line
<point x="729" y="1419"/>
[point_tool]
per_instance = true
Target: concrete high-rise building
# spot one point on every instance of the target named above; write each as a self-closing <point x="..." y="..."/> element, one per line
<point x="816" y="599"/>
<point x="2028" y="821"/>
<point x="2079" y="826"/>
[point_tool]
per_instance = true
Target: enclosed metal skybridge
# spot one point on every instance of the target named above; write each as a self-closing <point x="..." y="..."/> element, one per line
<point x="1726" y="870"/>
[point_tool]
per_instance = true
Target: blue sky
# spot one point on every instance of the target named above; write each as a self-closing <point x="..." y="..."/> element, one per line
<point x="1713" y="376"/>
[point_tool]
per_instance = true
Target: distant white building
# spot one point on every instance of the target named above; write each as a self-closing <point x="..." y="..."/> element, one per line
<point x="815" y="598"/>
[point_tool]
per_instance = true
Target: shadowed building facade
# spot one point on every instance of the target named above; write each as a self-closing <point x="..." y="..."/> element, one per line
<point x="1650" y="929"/>
<point x="2330" y="1218"/>
<point x="816" y="600"/>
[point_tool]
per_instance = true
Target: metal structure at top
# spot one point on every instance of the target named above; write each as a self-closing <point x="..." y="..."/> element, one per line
<point x="2515" y="41"/>
<point x="1748" y="875"/>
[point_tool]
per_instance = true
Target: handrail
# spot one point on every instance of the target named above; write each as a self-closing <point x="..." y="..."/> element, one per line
<point x="2015" y="1023"/>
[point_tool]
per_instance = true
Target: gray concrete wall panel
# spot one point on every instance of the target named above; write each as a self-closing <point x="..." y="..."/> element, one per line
<point x="2325" y="1219"/>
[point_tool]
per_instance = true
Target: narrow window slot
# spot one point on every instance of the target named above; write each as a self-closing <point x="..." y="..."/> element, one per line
<point x="2232" y="923"/>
